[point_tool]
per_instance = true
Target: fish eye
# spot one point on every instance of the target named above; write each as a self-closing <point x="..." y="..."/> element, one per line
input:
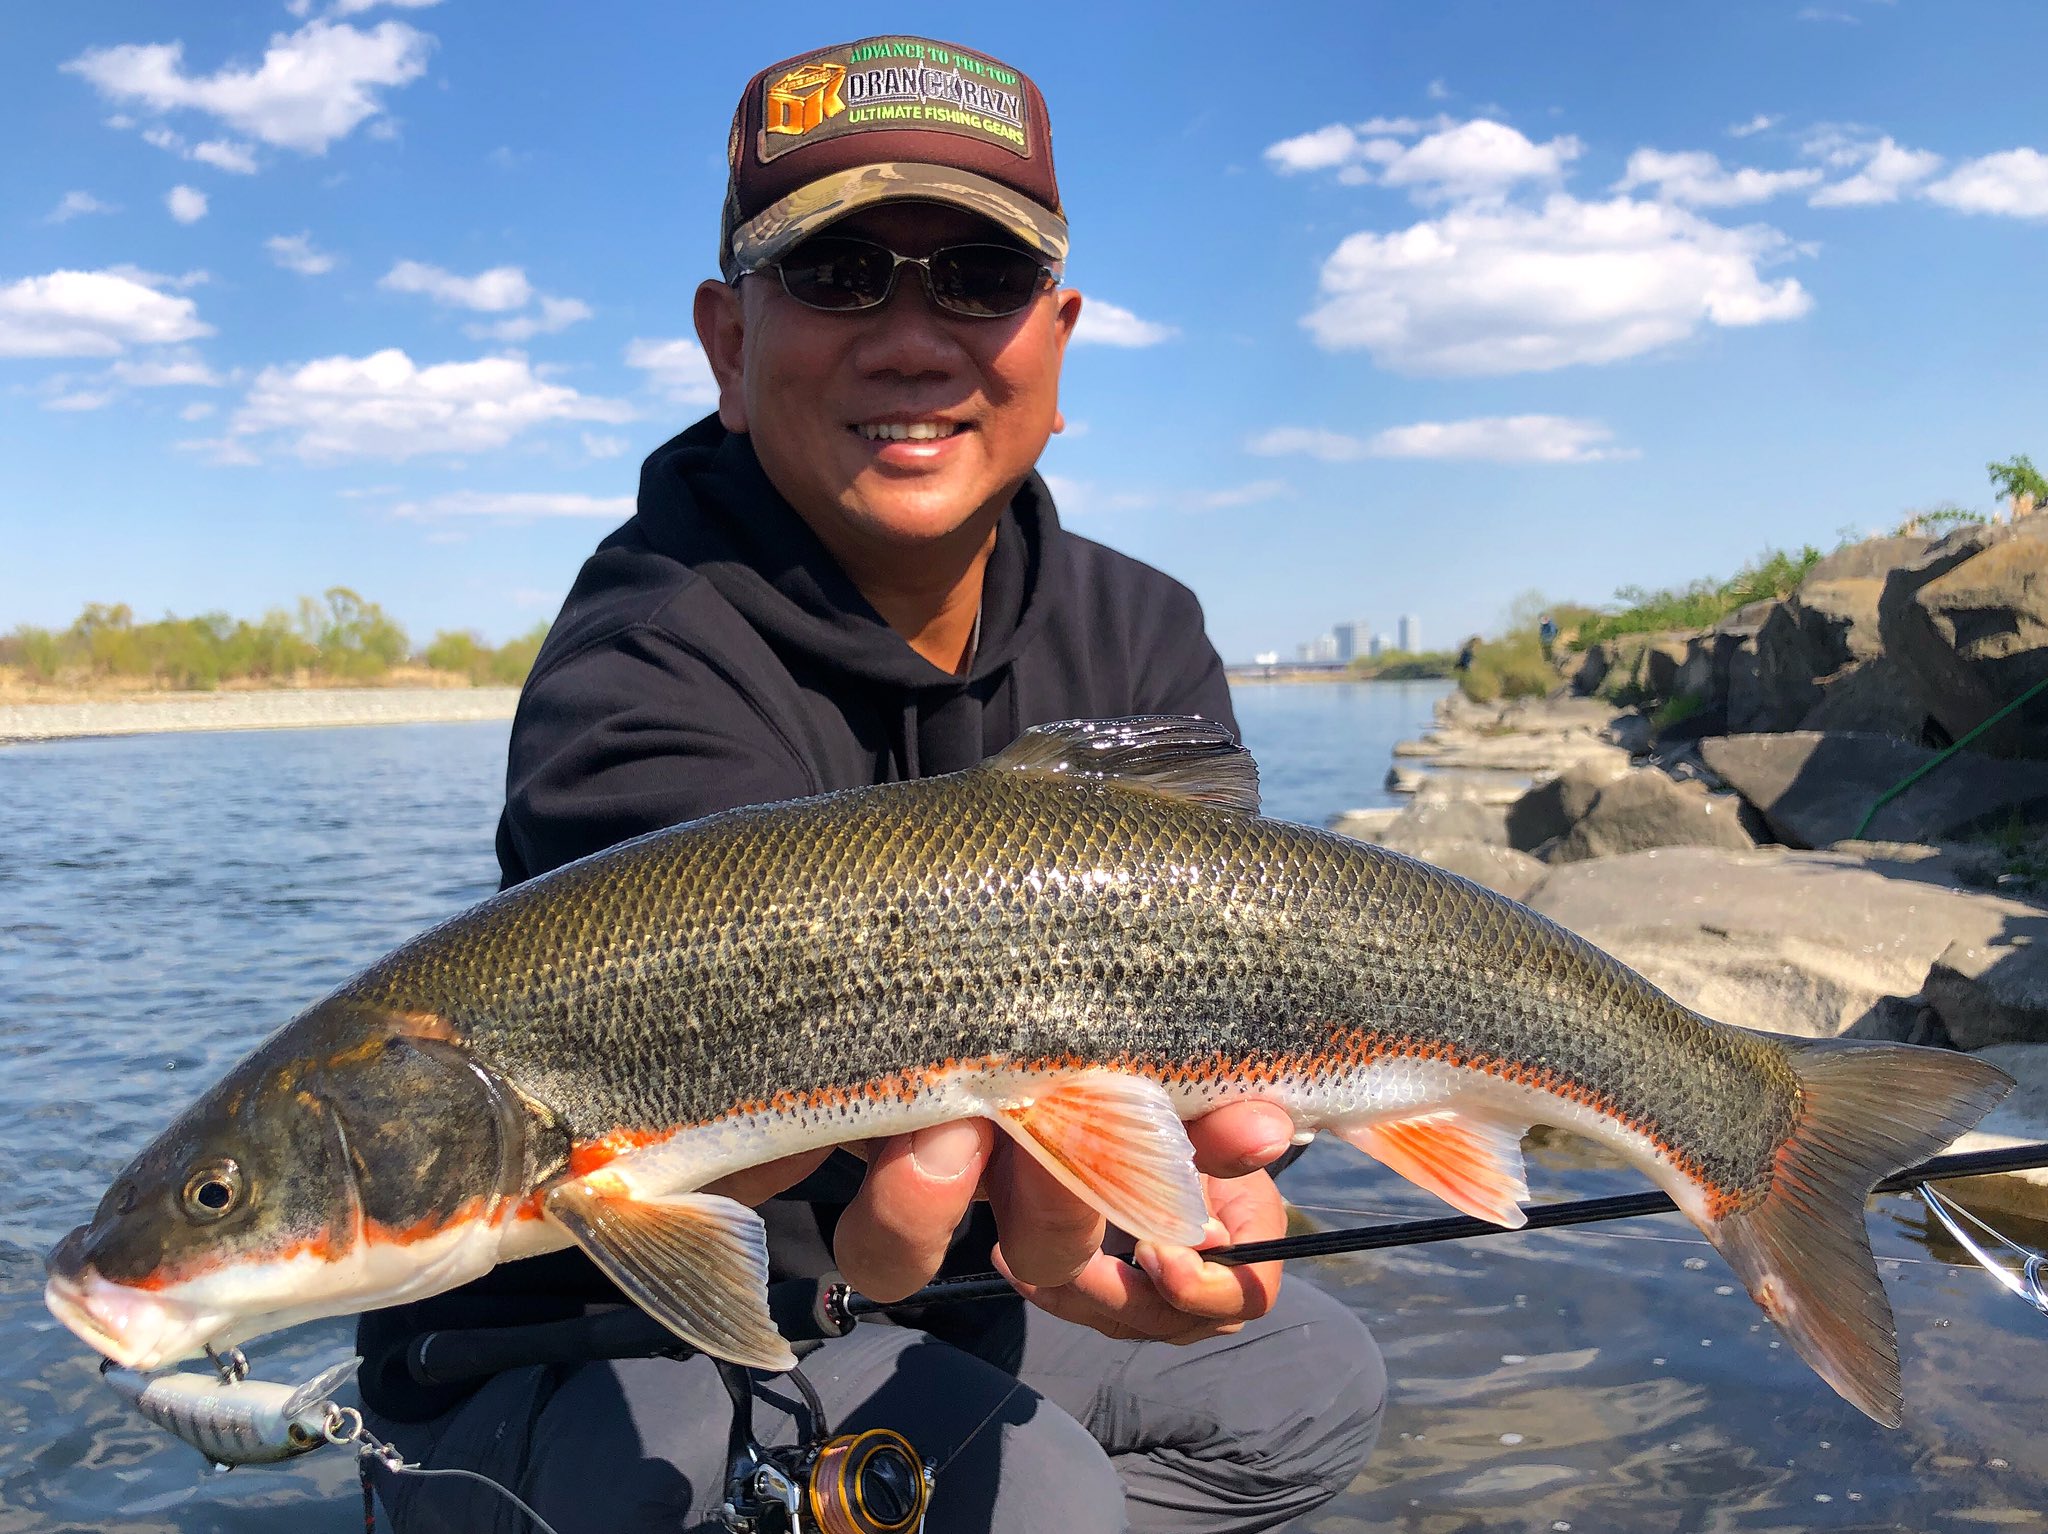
<point x="213" y="1190"/>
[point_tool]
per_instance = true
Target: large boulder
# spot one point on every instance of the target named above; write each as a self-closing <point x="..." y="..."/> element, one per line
<point x="1501" y="869"/>
<point x="1550" y="809"/>
<point x="1429" y="818"/>
<point x="2022" y="1119"/>
<point x="1840" y="617"/>
<point x="1994" y="993"/>
<point x="1664" y="657"/>
<point x="1648" y="809"/>
<point x="1794" y="942"/>
<point x="1869" y="698"/>
<point x="1968" y="625"/>
<point x="1874" y="558"/>
<point x="1814" y="789"/>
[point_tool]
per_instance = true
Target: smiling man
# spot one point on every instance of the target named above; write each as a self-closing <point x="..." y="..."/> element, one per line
<point x="852" y="574"/>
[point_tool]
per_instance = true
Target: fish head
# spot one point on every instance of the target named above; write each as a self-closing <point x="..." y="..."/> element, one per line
<point x="358" y="1158"/>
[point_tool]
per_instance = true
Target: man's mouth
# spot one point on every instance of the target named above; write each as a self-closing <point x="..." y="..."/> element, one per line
<point x="909" y="431"/>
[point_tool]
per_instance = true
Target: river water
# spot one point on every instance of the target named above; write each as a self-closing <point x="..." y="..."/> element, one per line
<point x="166" y="901"/>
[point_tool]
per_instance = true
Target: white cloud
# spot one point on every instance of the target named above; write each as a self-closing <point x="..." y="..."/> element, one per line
<point x="1501" y="439"/>
<point x="357" y="7"/>
<point x="2014" y="183"/>
<point x="1108" y="324"/>
<point x="1309" y="441"/>
<point x="80" y="399"/>
<point x="517" y="505"/>
<point x="72" y="204"/>
<point x="187" y="204"/>
<point x="1698" y="179"/>
<point x="555" y="314"/>
<point x="165" y="372"/>
<point x="496" y="291"/>
<point x="598" y="445"/>
<point x="1493" y="439"/>
<point x="198" y="410"/>
<point x="296" y="253"/>
<point x="1478" y="159"/>
<point x="1438" y="91"/>
<point x="1085" y="498"/>
<point x="224" y="154"/>
<point x="1763" y="122"/>
<point x="678" y="368"/>
<point x="313" y="86"/>
<point x="1253" y="494"/>
<point x="1888" y="170"/>
<point x="385" y="406"/>
<point x="1490" y="290"/>
<point x="93" y="314"/>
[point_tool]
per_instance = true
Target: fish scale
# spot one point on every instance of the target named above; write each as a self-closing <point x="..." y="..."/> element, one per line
<point x="1088" y="938"/>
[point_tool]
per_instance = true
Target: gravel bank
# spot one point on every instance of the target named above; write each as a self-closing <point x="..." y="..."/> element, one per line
<point x="314" y="709"/>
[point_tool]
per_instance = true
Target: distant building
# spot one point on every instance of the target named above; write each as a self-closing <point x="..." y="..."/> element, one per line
<point x="1346" y="636"/>
<point x="1380" y="645"/>
<point x="1411" y="633"/>
<point x="1266" y="658"/>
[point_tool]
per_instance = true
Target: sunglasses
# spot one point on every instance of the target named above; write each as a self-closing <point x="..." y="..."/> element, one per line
<point x="843" y="275"/>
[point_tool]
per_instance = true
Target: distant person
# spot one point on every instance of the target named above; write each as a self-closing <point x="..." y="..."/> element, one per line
<point x="1546" y="635"/>
<point x="1467" y="653"/>
<point x="851" y="574"/>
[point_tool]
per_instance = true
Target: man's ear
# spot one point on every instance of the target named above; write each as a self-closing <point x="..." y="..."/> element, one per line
<point x="722" y="332"/>
<point x="1065" y="316"/>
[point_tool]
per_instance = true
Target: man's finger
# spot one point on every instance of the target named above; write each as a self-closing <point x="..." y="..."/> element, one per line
<point x="1119" y="1301"/>
<point x="894" y="1234"/>
<point x="1240" y="1137"/>
<point x="757" y="1184"/>
<point x="1048" y="1233"/>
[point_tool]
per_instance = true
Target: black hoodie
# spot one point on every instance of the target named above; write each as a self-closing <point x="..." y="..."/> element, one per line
<point x="713" y="654"/>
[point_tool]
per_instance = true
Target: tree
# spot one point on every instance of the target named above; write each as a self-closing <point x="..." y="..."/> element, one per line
<point x="2020" y="482"/>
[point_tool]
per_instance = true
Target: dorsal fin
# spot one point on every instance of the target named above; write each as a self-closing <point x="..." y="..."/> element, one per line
<point x="1182" y="758"/>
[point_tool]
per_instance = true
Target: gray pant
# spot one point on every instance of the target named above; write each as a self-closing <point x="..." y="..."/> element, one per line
<point x="1077" y="1434"/>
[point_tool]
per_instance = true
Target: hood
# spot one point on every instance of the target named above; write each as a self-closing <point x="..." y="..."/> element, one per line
<point x="706" y="501"/>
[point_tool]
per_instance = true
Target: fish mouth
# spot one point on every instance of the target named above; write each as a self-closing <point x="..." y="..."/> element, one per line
<point x="133" y="1327"/>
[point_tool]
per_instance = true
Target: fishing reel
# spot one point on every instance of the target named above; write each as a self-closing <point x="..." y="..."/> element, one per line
<point x="870" y="1482"/>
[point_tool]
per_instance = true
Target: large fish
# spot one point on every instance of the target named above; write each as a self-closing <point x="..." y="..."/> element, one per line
<point x="1086" y="939"/>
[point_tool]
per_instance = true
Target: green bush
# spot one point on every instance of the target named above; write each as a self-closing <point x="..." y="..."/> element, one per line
<point x="1512" y="667"/>
<point x="1702" y="603"/>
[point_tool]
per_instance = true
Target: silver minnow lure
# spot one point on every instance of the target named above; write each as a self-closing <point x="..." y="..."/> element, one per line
<point x="248" y="1422"/>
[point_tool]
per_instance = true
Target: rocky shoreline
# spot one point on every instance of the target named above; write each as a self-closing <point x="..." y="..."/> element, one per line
<point x="279" y="709"/>
<point x="1756" y="876"/>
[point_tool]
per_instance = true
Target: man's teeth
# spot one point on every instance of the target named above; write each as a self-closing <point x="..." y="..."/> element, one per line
<point x="915" y="431"/>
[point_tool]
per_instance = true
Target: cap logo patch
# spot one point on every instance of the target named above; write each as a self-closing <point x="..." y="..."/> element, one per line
<point x="893" y="82"/>
<point x="804" y="98"/>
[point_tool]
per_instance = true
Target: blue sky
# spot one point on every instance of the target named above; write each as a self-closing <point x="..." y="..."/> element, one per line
<point x="1396" y="308"/>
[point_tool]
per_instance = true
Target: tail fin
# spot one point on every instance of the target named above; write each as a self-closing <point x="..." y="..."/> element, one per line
<point x="1866" y="1110"/>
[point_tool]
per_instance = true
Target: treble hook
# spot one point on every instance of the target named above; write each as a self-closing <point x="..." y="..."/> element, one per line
<point x="2019" y="1269"/>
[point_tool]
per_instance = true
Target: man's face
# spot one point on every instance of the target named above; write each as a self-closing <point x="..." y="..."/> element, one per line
<point x="811" y="388"/>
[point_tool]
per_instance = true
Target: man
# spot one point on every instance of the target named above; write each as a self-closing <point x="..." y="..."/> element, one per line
<point x="850" y="575"/>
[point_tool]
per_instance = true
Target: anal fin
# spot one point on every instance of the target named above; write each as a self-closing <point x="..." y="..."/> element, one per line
<point x="1472" y="1163"/>
<point x="1116" y="1142"/>
<point x="696" y="1262"/>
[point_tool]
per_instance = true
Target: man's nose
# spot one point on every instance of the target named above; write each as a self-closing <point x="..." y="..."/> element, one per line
<point x="907" y="332"/>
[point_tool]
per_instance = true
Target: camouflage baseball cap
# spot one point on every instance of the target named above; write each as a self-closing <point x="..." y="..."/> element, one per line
<point x="886" y="119"/>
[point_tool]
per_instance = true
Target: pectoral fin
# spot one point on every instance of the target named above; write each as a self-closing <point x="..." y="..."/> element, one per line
<point x="1116" y="1142"/>
<point x="1472" y="1163"/>
<point x="695" y="1262"/>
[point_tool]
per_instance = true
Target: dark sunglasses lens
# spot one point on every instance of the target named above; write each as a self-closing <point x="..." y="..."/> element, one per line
<point x="984" y="280"/>
<point x="829" y="273"/>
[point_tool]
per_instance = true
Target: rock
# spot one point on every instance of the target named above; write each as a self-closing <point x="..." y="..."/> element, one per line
<point x="1784" y="681"/>
<point x="1814" y="789"/>
<point x="1664" y="658"/>
<point x="1546" y="753"/>
<point x="1647" y="809"/>
<point x="1363" y="825"/>
<point x="1501" y="869"/>
<point x="1404" y="780"/>
<point x="1869" y="698"/>
<point x="1994" y="993"/>
<point x="1551" y="809"/>
<point x="1794" y="942"/>
<point x="1901" y="1020"/>
<point x="1840" y="617"/>
<point x="1588" y="671"/>
<point x="1968" y="625"/>
<point x="1874" y="558"/>
<point x="1443" y="819"/>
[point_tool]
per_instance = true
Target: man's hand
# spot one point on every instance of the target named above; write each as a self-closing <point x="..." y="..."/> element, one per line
<point x="893" y="1236"/>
